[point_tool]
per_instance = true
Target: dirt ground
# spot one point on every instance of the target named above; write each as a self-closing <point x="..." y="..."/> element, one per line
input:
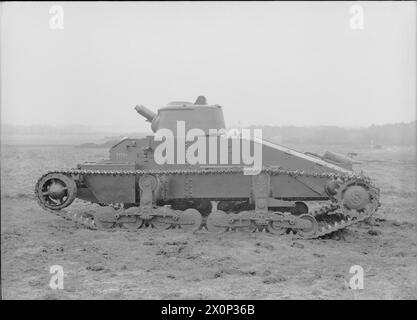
<point x="176" y="265"/>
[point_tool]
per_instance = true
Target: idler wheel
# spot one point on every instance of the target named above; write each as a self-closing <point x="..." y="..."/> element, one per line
<point x="312" y="227"/>
<point x="56" y="191"/>
<point x="356" y="197"/>
<point x="190" y="220"/>
<point x="218" y="221"/>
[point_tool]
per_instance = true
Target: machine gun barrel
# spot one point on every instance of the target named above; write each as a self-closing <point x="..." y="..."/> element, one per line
<point x="145" y="112"/>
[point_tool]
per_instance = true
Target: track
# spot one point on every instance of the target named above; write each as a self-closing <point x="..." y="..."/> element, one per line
<point x="334" y="216"/>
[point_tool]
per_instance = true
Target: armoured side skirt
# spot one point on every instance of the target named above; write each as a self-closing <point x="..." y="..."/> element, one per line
<point x="229" y="186"/>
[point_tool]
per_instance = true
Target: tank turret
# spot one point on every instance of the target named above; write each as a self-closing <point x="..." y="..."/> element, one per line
<point x="194" y="115"/>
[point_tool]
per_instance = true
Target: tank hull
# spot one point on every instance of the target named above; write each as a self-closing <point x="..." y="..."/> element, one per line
<point x="139" y="154"/>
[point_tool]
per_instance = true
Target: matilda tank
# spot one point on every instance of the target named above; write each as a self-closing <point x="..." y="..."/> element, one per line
<point x="192" y="174"/>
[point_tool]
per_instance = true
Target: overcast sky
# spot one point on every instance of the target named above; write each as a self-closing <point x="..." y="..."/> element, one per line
<point x="265" y="63"/>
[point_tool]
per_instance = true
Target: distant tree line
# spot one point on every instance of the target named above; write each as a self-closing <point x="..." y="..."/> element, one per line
<point x="388" y="134"/>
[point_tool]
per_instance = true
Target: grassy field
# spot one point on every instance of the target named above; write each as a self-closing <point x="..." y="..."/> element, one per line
<point x="174" y="265"/>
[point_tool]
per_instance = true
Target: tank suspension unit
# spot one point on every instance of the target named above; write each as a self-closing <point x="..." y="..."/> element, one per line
<point x="351" y="199"/>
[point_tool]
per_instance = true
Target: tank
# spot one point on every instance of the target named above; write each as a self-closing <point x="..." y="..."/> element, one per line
<point x="159" y="182"/>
